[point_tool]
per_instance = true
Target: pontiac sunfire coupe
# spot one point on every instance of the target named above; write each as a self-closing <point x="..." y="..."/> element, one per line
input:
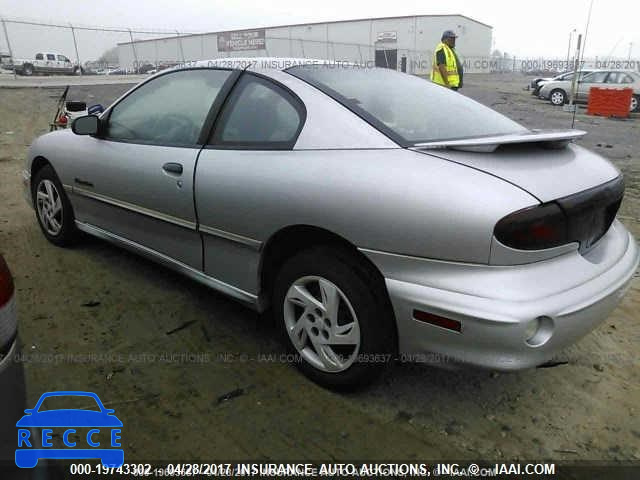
<point x="375" y="213"/>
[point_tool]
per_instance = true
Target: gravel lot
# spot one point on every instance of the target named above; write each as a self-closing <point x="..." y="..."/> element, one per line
<point x="187" y="369"/>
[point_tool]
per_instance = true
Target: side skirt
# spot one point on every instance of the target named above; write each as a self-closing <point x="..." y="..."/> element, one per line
<point x="246" y="298"/>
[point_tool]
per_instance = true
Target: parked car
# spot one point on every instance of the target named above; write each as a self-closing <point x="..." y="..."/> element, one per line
<point x="45" y="63"/>
<point x="372" y="229"/>
<point x="11" y="374"/>
<point x="537" y="84"/>
<point x="557" y="92"/>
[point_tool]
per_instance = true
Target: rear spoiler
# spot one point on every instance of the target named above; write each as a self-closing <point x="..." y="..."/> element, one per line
<point x="548" y="139"/>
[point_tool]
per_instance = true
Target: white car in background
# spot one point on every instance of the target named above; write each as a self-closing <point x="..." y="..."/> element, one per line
<point x="557" y="92"/>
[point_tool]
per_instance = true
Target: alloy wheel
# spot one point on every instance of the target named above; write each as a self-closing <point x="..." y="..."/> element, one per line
<point x="322" y="324"/>
<point x="49" y="206"/>
<point x="557" y="98"/>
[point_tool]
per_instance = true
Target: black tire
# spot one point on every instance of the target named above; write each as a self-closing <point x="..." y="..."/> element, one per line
<point x="377" y="332"/>
<point x="68" y="233"/>
<point x="27" y="69"/>
<point x="558" y="96"/>
<point x="637" y="103"/>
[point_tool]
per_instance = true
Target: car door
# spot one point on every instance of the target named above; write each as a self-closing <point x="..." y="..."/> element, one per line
<point x="51" y="63"/>
<point x="64" y="64"/>
<point x="136" y="178"/>
<point x="256" y="129"/>
<point x="595" y="79"/>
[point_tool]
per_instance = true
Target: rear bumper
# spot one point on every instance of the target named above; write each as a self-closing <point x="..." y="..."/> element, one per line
<point x="496" y="306"/>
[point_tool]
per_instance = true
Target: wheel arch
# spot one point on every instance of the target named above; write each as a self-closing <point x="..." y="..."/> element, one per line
<point x="290" y="240"/>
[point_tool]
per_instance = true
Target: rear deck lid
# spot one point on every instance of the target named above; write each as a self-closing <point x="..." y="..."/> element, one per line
<point x="544" y="163"/>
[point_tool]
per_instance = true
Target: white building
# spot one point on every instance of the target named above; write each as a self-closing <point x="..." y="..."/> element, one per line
<point x="403" y="43"/>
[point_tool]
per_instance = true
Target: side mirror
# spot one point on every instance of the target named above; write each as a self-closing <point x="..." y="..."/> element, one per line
<point x="87" y="125"/>
<point x="95" y="109"/>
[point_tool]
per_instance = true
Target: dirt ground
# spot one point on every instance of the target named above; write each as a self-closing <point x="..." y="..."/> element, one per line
<point x="100" y="319"/>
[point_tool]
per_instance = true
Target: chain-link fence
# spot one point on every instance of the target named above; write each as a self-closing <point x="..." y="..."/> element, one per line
<point x="32" y="47"/>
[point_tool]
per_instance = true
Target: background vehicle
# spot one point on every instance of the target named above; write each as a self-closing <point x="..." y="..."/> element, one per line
<point x="537" y="84"/>
<point x="12" y="380"/>
<point x="45" y="63"/>
<point x="557" y="92"/>
<point x="371" y="229"/>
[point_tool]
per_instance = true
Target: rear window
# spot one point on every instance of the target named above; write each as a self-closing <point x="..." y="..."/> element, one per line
<point x="407" y="108"/>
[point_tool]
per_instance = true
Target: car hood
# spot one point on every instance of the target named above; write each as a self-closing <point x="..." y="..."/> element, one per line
<point x="69" y="418"/>
<point x="557" y="84"/>
<point x="546" y="174"/>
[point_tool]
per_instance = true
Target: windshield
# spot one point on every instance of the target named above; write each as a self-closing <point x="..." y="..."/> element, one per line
<point x="407" y="108"/>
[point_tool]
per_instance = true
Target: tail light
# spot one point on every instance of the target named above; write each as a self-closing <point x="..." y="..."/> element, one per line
<point x="62" y="120"/>
<point x="583" y="217"/>
<point x="534" y="228"/>
<point x="6" y="283"/>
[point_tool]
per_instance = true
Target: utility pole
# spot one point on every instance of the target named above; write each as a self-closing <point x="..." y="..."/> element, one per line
<point x="576" y="63"/>
<point x="6" y="36"/>
<point x="135" y="54"/>
<point x="569" y="47"/>
<point x="75" y="44"/>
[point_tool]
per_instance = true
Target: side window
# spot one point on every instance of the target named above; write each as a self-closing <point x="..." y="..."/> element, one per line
<point x="626" y="79"/>
<point x="596" y="77"/>
<point x="259" y="115"/>
<point x="614" y="77"/>
<point x="168" y="110"/>
<point x="39" y="56"/>
<point x="62" y="58"/>
<point x="51" y="56"/>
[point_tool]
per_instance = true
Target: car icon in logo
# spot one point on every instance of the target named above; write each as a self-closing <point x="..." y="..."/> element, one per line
<point x="32" y="447"/>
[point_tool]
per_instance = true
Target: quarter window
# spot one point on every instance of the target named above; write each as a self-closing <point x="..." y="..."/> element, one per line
<point x="259" y="115"/>
<point x="169" y="110"/>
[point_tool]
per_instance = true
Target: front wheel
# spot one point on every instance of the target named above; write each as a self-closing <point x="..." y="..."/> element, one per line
<point x="558" y="97"/>
<point x="27" y="70"/>
<point x="635" y="103"/>
<point x="53" y="209"/>
<point x="339" y="328"/>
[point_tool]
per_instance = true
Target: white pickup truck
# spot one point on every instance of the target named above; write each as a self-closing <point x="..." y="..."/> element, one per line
<point x="47" y="63"/>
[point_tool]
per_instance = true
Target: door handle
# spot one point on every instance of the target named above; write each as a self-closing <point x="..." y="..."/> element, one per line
<point x="172" y="167"/>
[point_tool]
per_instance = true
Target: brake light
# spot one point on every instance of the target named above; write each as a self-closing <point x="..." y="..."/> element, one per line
<point x="62" y="119"/>
<point x="534" y="228"/>
<point x="6" y="283"/>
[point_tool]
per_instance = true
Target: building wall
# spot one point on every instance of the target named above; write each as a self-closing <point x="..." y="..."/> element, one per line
<point x="355" y="41"/>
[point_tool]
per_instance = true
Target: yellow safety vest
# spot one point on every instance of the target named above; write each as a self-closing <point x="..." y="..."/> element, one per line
<point x="452" y="67"/>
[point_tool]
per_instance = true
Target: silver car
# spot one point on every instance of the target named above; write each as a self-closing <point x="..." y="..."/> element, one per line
<point x="558" y="91"/>
<point x="379" y="215"/>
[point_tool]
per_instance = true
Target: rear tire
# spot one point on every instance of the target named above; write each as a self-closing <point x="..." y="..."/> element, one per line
<point x="635" y="103"/>
<point x="558" y="97"/>
<point x="53" y="209"/>
<point x="27" y="70"/>
<point x="331" y="317"/>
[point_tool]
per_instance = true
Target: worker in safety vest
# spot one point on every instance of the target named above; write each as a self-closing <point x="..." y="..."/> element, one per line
<point x="447" y="69"/>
